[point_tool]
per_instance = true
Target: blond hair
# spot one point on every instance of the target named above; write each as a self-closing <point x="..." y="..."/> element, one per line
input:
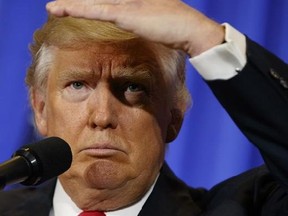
<point x="73" y="32"/>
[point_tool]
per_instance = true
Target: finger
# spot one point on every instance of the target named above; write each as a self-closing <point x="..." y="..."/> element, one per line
<point x="55" y="9"/>
<point x="65" y="3"/>
<point x="85" y="9"/>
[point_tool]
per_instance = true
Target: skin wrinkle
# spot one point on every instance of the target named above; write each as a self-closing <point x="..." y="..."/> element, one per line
<point x="140" y="74"/>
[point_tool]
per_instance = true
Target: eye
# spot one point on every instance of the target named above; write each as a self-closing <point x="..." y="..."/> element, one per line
<point x="77" y="85"/>
<point x="76" y="91"/>
<point x="133" y="87"/>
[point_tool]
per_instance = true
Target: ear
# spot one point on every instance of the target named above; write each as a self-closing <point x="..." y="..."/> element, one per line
<point x="39" y="107"/>
<point x="175" y="125"/>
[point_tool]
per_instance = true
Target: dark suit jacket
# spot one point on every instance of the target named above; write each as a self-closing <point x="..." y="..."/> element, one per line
<point x="257" y="100"/>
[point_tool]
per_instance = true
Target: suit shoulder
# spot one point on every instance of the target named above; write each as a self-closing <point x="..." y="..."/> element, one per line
<point x="246" y="194"/>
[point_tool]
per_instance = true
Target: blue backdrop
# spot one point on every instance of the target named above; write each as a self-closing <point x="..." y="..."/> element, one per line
<point x="209" y="148"/>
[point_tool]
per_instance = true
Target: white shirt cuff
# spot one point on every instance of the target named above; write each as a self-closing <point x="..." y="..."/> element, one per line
<point x="223" y="61"/>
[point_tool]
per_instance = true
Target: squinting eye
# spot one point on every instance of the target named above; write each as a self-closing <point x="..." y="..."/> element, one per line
<point x="77" y="85"/>
<point x="134" y="87"/>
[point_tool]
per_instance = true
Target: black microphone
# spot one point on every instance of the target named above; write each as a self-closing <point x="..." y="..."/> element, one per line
<point x="35" y="163"/>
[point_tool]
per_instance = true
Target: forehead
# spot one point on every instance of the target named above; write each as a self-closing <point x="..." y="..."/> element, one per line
<point x="113" y="55"/>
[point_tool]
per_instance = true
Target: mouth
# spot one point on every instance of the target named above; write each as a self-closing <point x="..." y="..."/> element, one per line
<point x="102" y="150"/>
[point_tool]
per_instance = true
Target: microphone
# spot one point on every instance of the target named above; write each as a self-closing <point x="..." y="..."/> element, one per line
<point x="37" y="162"/>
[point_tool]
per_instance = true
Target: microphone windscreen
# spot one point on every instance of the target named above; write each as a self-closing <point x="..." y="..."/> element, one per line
<point x="53" y="157"/>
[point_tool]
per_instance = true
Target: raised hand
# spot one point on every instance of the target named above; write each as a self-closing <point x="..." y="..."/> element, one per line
<point x="170" y="22"/>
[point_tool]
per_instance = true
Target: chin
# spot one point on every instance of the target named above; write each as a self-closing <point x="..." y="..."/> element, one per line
<point x="104" y="175"/>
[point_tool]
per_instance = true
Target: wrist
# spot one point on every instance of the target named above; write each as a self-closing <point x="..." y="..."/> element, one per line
<point x="212" y="35"/>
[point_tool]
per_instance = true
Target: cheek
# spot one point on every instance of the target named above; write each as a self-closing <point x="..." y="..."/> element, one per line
<point x="146" y="135"/>
<point x="64" y="119"/>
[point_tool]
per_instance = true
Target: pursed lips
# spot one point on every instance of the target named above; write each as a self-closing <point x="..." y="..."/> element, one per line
<point x="102" y="149"/>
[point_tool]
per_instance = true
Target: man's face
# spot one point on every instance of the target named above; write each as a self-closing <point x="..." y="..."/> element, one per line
<point x="112" y="107"/>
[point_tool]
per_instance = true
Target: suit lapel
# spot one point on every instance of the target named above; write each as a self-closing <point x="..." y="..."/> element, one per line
<point x="171" y="196"/>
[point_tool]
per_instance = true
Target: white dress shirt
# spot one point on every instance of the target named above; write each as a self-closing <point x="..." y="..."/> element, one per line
<point x="225" y="60"/>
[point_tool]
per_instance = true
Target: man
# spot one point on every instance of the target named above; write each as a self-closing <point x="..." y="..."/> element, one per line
<point x="118" y="98"/>
<point x="104" y="91"/>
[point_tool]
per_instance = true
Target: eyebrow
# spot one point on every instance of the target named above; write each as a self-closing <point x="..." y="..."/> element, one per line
<point x="138" y="73"/>
<point x="75" y="74"/>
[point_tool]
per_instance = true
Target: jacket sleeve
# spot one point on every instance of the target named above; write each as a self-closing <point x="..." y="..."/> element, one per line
<point x="257" y="101"/>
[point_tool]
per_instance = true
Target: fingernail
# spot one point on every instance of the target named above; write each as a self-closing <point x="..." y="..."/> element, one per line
<point x="49" y="5"/>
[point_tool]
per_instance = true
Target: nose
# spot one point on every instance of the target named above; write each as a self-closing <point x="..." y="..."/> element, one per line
<point x="102" y="109"/>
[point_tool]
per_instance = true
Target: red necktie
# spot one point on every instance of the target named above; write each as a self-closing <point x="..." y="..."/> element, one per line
<point x="91" y="213"/>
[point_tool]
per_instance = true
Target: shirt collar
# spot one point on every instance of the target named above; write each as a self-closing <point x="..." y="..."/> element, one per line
<point x="63" y="205"/>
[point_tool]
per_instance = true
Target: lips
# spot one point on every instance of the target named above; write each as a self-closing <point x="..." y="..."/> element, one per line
<point x="102" y="150"/>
